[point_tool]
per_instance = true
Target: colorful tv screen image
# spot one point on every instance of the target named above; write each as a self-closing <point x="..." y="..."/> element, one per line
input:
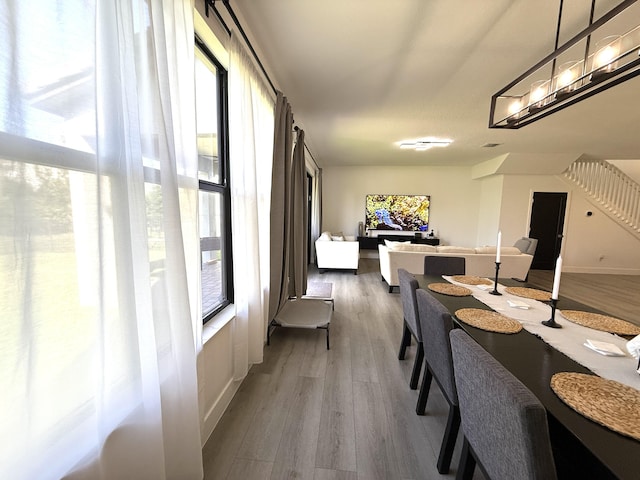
<point x="398" y="212"/>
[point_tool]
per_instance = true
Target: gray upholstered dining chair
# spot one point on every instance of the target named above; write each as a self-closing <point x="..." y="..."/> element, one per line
<point x="411" y="327"/>
<point x="436" y="323"/>
<point x="439" y="265"/>
<point x="504" y="424"/>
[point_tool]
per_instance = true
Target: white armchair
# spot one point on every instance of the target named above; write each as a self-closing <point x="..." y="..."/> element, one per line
<point x="337" y="252"/>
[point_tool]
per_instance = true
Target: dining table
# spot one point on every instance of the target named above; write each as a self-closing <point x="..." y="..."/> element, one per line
<point x="582" y="448"/>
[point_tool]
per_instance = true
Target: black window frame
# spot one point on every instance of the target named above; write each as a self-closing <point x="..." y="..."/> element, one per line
<point x="223" y="187"/>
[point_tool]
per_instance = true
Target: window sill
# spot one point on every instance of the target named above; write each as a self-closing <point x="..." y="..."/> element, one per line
<point x="216" y="324"/>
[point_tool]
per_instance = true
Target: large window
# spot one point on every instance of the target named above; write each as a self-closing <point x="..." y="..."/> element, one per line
<point x="213" y="168"/>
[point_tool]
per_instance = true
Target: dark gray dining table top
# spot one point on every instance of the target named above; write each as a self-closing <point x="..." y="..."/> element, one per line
<point x="534" y="362"/>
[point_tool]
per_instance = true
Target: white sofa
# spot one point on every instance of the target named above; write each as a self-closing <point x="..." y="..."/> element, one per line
<point x="479" y="261"/>
<point x="336" y="251"/>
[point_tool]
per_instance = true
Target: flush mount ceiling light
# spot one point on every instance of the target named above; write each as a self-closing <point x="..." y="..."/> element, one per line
<point x="424" y="144"/>
<point x="592" y="61"/>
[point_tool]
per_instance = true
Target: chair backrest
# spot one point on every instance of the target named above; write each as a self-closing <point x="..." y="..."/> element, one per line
<point x="436" y="323"/>
<point x="441" y="265"/>
<point x="408" y="286"/>
<point x="505" y="424"/>
<point x="526" y="245"/>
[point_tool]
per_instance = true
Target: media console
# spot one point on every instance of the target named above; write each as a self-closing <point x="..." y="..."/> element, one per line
<point x="371" y="243"/>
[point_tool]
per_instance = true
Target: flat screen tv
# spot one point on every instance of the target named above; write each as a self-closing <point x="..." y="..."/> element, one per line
<point x="398" y="212"/>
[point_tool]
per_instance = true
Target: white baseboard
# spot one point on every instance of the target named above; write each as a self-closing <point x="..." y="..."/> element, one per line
<point x="213" y="416"/>
<point x="602" y="270"/>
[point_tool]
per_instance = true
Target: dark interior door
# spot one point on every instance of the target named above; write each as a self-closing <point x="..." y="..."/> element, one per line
<point x="546" y="224"/>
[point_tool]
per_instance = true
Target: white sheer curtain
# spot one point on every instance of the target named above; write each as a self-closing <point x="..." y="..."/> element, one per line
<point x="98" y="241"/>
<point x="251" y="126"/>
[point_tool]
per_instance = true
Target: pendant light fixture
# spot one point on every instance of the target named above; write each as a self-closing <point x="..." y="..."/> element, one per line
<point x="587" y="64"/>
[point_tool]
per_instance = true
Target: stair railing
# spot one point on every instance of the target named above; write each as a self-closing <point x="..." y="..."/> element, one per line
<point x="615" y="192"/>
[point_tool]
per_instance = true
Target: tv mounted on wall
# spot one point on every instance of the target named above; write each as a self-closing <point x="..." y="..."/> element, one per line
<point x="398" y="212"/>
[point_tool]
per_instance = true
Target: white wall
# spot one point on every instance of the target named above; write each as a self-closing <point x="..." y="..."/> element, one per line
<point x="490" y="206"/>
<point x="596" y="244"/>
<point x="216" y="386"/>
<point x="454" y="197"/>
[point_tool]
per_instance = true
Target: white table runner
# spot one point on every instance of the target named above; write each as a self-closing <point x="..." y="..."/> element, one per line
<point x="569" y="339"/>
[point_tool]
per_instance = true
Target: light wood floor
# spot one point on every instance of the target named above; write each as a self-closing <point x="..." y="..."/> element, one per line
<point x="616" y="295"/>
<point x="348" y="413"/>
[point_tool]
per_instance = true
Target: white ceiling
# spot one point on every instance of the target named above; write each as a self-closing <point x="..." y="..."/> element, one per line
<point x="362" y="75"/>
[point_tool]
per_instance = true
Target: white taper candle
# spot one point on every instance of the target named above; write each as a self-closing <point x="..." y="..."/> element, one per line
<point x="498" y="247"/>
<point x="556" y="279"/>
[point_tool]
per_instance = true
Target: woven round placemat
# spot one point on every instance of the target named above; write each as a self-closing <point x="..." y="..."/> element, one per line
<point x="607" y="402"/>
<point x="604" y="323"/>
<point x="531" y="293"/>
<point x="449" y="289"/>
<point x="488" y="320"/>
<point x="471" y="280"/>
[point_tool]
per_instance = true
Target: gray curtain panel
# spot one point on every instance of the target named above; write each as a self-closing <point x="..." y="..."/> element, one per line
<point x="279" y="260"/>
<point x="299" y="220"/>
<point x="289" y="215"/>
